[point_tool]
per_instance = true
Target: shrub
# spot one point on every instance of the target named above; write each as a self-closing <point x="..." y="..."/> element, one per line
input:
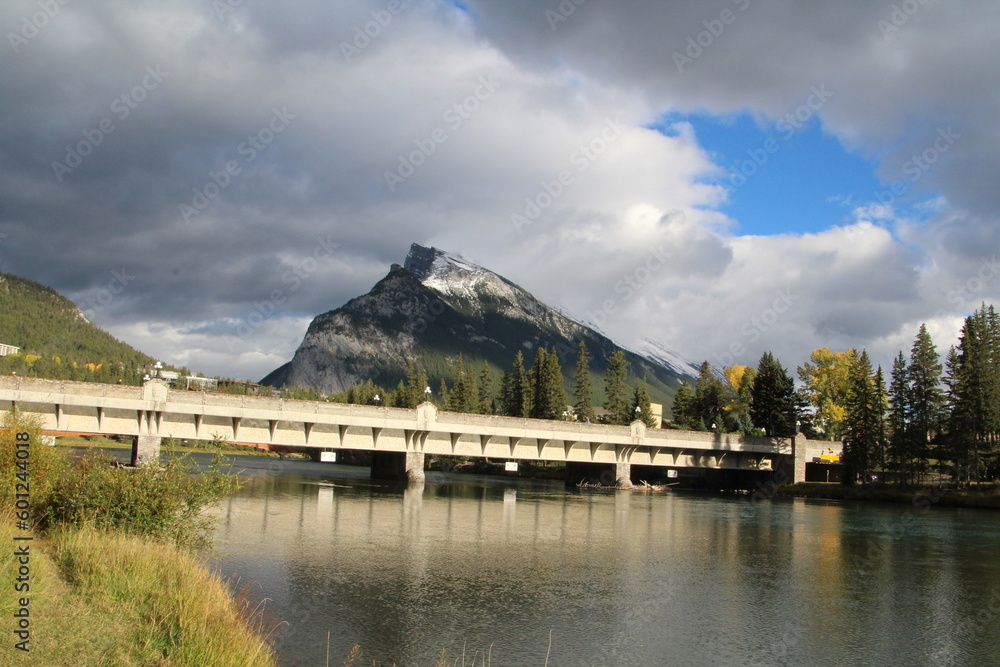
<point x="163" y="503"/>
<point x="44" y="464"/>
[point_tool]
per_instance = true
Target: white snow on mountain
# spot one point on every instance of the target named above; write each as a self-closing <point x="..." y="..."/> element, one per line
<point x="465" y="284"/>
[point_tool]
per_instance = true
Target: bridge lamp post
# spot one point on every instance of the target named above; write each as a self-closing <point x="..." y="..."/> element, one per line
<point x="377" y="399"/>
<point x="427" y="394"/>
<point x="565" y="416"/>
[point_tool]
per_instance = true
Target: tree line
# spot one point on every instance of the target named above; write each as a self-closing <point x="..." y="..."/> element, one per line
<point x="928" y="417"/>
<point x="537" y="392"/>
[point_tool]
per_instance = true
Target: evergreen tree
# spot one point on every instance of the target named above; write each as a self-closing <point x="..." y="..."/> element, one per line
<point x="898" y="450"/>
<point x="554" y="402"/>
<point x="516" y="390"/>
<point x="537" y="379"/>
<point x="487" y="401"/>
<point x="709" y="400"/>
<point x="443" y="395"/>
<point x="926" y="401"/>
<point x="683" y="407"/>
<point x="583" y="393"/>
<point x="772" y="405"/>
<point x="865" y="422"/>
<point x="640" y="400"/>
<point x="615" y="379"/>
<point x="974" y="394"/>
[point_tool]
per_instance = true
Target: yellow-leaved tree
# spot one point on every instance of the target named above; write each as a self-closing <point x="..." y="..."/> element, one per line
<point x="826" y="381"/>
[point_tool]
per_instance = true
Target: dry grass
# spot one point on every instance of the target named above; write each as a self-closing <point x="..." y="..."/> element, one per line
<point x="105" y="599"/>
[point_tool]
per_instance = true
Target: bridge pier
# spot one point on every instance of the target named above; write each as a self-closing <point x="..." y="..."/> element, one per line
<point x="145" y="450"/>
<point x="605" y="474"/>
<point x="398" y="466"/>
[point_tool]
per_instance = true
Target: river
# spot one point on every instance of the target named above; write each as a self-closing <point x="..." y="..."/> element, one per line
<point x="514" y="572"/>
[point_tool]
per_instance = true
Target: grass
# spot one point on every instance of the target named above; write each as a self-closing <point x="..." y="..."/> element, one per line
<point x="100" y="598"/>
<point x="167" y="445"/>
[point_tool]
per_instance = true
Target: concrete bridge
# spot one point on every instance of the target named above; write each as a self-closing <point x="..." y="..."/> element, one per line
<point x="398" y="438"/>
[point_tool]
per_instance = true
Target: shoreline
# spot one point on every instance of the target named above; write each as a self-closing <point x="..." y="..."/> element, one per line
<point x="923" y="496"/>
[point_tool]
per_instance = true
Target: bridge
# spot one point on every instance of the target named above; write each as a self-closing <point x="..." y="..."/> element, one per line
<point x="398" y="438"/>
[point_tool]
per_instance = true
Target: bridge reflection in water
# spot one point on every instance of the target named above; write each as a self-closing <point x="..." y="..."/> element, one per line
<point x="618" y="578"/>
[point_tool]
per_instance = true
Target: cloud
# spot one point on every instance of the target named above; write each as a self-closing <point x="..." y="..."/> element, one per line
<point x="249" y="166"/>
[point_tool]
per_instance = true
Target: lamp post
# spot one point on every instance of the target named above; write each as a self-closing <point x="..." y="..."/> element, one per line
<point x="377" y="399"/>
<point x="427" y="394"/>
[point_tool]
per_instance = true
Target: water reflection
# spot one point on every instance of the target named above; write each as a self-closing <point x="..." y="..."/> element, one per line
<point x="616" y="578"/>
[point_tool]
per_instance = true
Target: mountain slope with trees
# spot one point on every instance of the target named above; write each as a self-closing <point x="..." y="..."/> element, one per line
<point x="57" y="340"/>
<point x="438" y="308"/>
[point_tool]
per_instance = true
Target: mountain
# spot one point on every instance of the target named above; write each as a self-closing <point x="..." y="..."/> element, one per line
<point x="56" y="339"/>
<point x="437" y="306"/>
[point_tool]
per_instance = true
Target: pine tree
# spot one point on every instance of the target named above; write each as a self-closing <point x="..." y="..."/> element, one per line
<point x="683" y="410"/>
<point x="772" y="405"/>
<point x="974" y="394"/>
<point x="615" y="379"/>
<point x="898" y="451"/>
<point x="487" y="401"/>
<point x="583" y="393"/>
<point x="926" y="401"/>
<point x="641" y="408"/>
<point x="865" y="422"/>
<point x="443" y="394"/>
<point x="515" y="391"/>
<point x="709" y="399"/>
<point x="539" y="388"/>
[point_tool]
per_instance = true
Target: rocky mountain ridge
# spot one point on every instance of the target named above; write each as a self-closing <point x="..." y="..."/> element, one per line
<point x="437" y="306"/>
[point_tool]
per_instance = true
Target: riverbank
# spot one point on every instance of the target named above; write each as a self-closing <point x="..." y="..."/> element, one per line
<point x="987" y="497"/>
<point x="177" y="447"/>
<point x="99" y="598"/>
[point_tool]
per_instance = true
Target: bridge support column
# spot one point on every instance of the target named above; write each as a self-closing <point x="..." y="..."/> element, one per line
<point x="798" y="458"/>
<point x="398" y="466"/>
<point x="791" y="468"/>
<point x="623" y="475"/>
<point x="145" y="450"/>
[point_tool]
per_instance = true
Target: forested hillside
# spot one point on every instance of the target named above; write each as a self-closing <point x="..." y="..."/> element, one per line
<point x="56" y="340"/>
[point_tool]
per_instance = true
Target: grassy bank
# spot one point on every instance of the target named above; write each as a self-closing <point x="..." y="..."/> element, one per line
<point x="110" y="575"/>
<point x="921" y="496"/>
<point x="100" y="598"/>
<point x="168" y="445"/>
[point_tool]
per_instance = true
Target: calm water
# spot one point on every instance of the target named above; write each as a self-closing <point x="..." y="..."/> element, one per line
<point x="522" y="572"/>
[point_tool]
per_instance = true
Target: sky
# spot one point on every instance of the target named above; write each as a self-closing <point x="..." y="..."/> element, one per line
<point x="724" y="177"/>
